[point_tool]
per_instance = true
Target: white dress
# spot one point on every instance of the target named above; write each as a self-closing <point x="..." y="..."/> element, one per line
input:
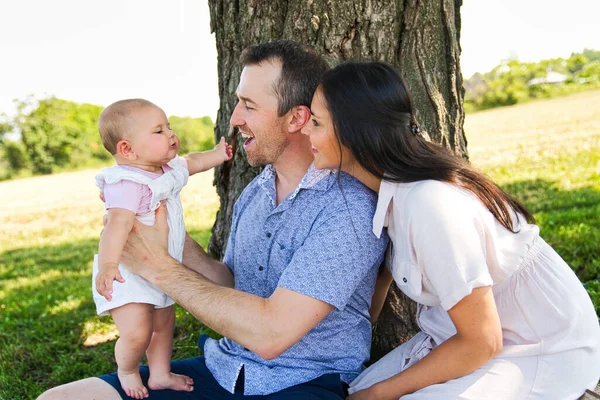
<point x="167" y="187"/>
<point x="445" y="244"/>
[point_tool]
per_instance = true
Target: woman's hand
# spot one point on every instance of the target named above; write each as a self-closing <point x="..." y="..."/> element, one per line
<point x="360" y="395"/>
<point x="147" y="247"/>
<point x="371" y="393"/>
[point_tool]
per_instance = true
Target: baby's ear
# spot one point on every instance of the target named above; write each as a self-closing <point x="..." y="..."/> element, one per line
<point x="124" y="150"/>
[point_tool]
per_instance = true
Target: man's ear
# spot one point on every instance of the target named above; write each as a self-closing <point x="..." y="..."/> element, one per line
<point x="124" y="150"/>
<point x="300" y="117"/>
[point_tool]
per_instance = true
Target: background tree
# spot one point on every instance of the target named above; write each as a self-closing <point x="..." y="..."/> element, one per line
<point x="421" y="38"/>
<point x="56" y="132"/>
<point x="195" y="134"/>
<point x="12" y="153"/>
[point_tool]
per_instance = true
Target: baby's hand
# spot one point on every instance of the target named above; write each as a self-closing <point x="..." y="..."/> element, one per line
<point x="224" y="148"/>
<point x="105" y="278"/>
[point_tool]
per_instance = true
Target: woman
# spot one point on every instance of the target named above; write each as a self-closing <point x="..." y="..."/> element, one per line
<point x="502" y="315"/>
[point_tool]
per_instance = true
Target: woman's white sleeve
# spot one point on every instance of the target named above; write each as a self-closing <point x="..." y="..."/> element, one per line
<point x="447" y="230"/>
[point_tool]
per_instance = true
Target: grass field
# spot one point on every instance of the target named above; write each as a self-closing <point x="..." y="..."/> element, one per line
<point x="546" y="153"/>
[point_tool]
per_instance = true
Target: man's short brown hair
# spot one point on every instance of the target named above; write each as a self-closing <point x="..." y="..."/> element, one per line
<point x="301" y="70"/>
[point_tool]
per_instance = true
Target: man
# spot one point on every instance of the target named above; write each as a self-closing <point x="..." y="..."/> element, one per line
<point x="292" y="295"/>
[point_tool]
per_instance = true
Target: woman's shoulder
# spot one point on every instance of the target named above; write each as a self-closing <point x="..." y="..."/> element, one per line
<point x="431" y="200"/>
<point x="430" y="193"/>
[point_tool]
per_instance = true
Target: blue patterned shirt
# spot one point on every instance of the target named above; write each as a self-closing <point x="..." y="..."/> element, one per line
<point x="319" y="242"/>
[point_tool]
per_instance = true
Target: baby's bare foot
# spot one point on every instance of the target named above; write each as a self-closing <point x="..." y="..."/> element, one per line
<point x="132" y="385"/>
<point x="171" y="381"/>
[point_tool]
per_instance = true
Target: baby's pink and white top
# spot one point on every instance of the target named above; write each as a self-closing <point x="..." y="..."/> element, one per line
<point x="141" y="192"/>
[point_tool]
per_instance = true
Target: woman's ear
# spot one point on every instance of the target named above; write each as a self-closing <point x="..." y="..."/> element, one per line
<point x="125" y="150"/>
<point x="300" y="117"/>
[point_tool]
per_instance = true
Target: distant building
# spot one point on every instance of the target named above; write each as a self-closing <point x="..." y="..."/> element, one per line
<point x="551" y="78"/>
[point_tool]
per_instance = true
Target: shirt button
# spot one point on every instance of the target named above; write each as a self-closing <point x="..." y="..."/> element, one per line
<point x="404" y="280"/>
<point x="260" y="268"/>
<point x="268" y="234"/>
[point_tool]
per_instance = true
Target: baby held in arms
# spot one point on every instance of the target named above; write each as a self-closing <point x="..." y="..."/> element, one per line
<point x="138" y="135"/>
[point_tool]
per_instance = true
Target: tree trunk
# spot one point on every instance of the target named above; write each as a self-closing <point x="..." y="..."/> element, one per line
<point x="420" y="38"/>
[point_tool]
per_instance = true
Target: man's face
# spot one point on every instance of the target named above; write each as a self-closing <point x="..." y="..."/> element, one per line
<point x="255" y="115"/>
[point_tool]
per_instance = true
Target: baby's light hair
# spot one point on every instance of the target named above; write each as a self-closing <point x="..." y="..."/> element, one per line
<point x="114" y="119"/>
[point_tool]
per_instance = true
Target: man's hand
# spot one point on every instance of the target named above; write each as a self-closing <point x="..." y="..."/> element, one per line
<point x="105" y="278"/>
<point x="147" y="247"/>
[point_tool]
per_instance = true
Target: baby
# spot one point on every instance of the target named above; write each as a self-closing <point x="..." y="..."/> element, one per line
<point x="148" y="172"/>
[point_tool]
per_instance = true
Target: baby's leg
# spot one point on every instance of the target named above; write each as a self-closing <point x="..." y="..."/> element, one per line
<point x="135" y="331"/>
<point x="159" y="354"/>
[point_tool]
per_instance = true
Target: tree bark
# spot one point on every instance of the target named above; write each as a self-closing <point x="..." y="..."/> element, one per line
<point x="419" y="37"/>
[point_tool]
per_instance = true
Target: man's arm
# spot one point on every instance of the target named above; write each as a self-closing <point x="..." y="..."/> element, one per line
<point x="195" y="258"/>
<point x="267" y="327"/>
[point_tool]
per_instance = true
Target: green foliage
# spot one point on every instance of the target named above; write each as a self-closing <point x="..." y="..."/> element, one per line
<point x="5" y="127"/>
<point x="195" y="134"/>
<point x="57" y="134"/>
<point x="16" y="155"/>
<point x="593" y="289"/>
<point x="514" y="82"/>
<point x="592" y="55"/>
<point x="591" y="71"/>
<point x="576" y="62"/>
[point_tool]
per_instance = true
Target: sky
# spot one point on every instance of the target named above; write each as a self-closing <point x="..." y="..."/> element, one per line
<point x="100" y="51"/>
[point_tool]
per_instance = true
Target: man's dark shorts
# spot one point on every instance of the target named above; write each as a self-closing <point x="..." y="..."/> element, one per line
<point x="325" y="387"/>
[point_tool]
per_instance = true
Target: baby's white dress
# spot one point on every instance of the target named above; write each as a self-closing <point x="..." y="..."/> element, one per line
<point x="166" y="187"/>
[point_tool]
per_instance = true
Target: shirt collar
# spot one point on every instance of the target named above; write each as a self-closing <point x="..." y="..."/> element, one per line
<point x="313" y="179"/>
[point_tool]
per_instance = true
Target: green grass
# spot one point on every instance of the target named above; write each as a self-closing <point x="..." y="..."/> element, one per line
<point x="546" y="153"/>
<point x="49" y="331"/>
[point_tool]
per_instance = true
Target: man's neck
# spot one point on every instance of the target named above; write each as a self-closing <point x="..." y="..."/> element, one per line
<point x="290" y="168"/>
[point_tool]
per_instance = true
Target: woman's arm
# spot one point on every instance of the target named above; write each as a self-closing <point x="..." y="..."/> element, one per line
<point x="118" y="225"/>
<point x="478" y="339"/>
<point x="382" y="286"/>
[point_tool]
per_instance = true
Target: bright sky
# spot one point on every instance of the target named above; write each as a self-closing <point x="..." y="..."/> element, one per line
<point x="100" y="51"/>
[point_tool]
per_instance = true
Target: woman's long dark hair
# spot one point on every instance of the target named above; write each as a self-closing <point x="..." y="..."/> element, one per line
<point x="372" y="116"/>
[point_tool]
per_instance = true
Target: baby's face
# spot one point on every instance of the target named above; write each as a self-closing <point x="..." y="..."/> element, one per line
<point x="151" y="137"/>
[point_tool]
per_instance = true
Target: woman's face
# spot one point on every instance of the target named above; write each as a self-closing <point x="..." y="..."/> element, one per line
<point x="319" y="130"/>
